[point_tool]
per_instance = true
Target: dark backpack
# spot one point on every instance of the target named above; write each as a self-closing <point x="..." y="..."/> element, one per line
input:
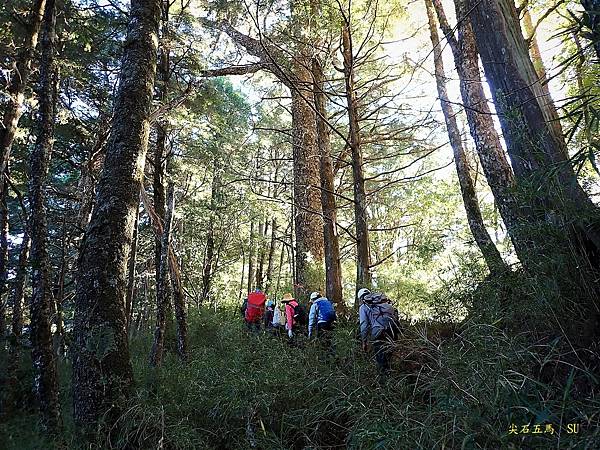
<point x="300" y="316"/>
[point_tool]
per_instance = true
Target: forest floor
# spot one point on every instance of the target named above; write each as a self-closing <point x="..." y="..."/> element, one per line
<point x="461" y="386"/>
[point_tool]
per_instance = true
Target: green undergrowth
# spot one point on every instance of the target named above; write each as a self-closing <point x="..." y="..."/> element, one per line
<point x="452" y="386"/>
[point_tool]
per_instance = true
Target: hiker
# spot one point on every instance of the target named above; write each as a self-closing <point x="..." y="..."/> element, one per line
<point x="379" y="325"/>
<point x="279" y="319"/>
<point x="269" y="313"/>
<point x="254" y="310"/>
<point x="321" y="320"/>
<point x="295" y="315"/>
<point x="244" y="307"/>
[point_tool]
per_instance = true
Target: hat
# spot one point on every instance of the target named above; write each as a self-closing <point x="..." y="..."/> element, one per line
<point x="362" y="292"/>
<point x="287" y="297"/>
<point x="270" y="303"/>
<point x="315" y="295"/>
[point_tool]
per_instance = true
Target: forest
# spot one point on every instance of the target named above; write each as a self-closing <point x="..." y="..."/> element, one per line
<point x="205" y="206"/>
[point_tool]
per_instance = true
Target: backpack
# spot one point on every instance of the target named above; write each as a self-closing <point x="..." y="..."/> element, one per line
<point x="326" y="311"/>
<point x="300" y="316"/>
<point x="256" y="306"/>
<point x="384" y="314"/>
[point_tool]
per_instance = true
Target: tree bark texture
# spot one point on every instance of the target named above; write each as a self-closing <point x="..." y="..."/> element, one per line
<point x="495" y="166"/>
<point x="333" y="269"/>
<point x="537" y="153"/>
<point x="102" y="373"/>
<point x="3" y="258"/>
<point x="308" y="226"/>
<point x="363" y="251"/>
<point x="131" y="271"/>
<point x="44" y="363"/>
<point x="11" y="400"/>
<point x="467" y="188"/>
<point x="162" y="294"/>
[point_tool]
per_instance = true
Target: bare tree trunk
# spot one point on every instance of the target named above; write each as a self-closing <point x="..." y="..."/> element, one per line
<point x="333" y="269"/>
<point x="363" y="251"/>
<point x="208" y="262"/>
<point x="251" y="257"/>
<point x="241" y="290"/>
<point x="59" y="293"/>
<point x="17" y="84"/>
<point x="10" y="400"/>
<point x="102" y="373"/>
<point x="3" y="259"/>
<point x="495" y="166"/>
<point x="467" y="188"/>
<point x="178" y="294"/>
<point x="131" y="270"/>
<point x="538" y="154"/>
<point x="162" y="296"/>
<point x="538" y="63"/>
<point x="44" y="363"/>
<point x="272" y="246"/>
<point x="281" y="255"/>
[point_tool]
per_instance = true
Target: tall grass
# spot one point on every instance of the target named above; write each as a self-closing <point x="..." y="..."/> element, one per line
<point x="452" y="386"/>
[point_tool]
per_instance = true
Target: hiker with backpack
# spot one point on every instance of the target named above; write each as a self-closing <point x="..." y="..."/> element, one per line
<point x="321" y="320"/>
<point x="255" y="309"/>
<point x="295" y="315"/>
<point x="378" y="325"/>
<point x="279" y="319"/>
<point x="269" y="313"/>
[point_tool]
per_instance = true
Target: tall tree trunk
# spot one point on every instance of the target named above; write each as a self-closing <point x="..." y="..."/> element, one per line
<point x="162" y="296"/>
<point x="467" y="187"/>
<point x="46" y="377"/>
<point x="131" y="271"/>
<point x="363" y="251"/>
<point x="251" y="257"/>
<point x="260" y="258"/>
<point x="495" y="166"/>
<point x="160" y="149"/>
<point x="178" y="294"/>
<point x="538" y="64"/>
<point x="333" y="269"/>
<point x="270" y="259"/>
<point x="209" y="254"/>
<point x="10" y="400"/>
<point x="16" y="86"/>
<point x="3" y="259"/>
<point x="538" y="154"/>
<point x="59" y="293"/>
<point x="102" y="373"/>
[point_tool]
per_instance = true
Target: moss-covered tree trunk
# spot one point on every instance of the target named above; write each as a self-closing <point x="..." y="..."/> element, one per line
<point x="44" y="363"/>
<point x="131" y="263"/>
<point x="102" y="373"/>
<point x="487" y="247"/>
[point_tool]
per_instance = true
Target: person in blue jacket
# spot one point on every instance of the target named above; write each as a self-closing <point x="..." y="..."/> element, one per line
<point x="321" y="320"/>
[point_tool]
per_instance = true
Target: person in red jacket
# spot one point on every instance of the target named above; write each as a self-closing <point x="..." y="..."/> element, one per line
<point x="255" y="309"/>
<point x="290" y="311"/>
